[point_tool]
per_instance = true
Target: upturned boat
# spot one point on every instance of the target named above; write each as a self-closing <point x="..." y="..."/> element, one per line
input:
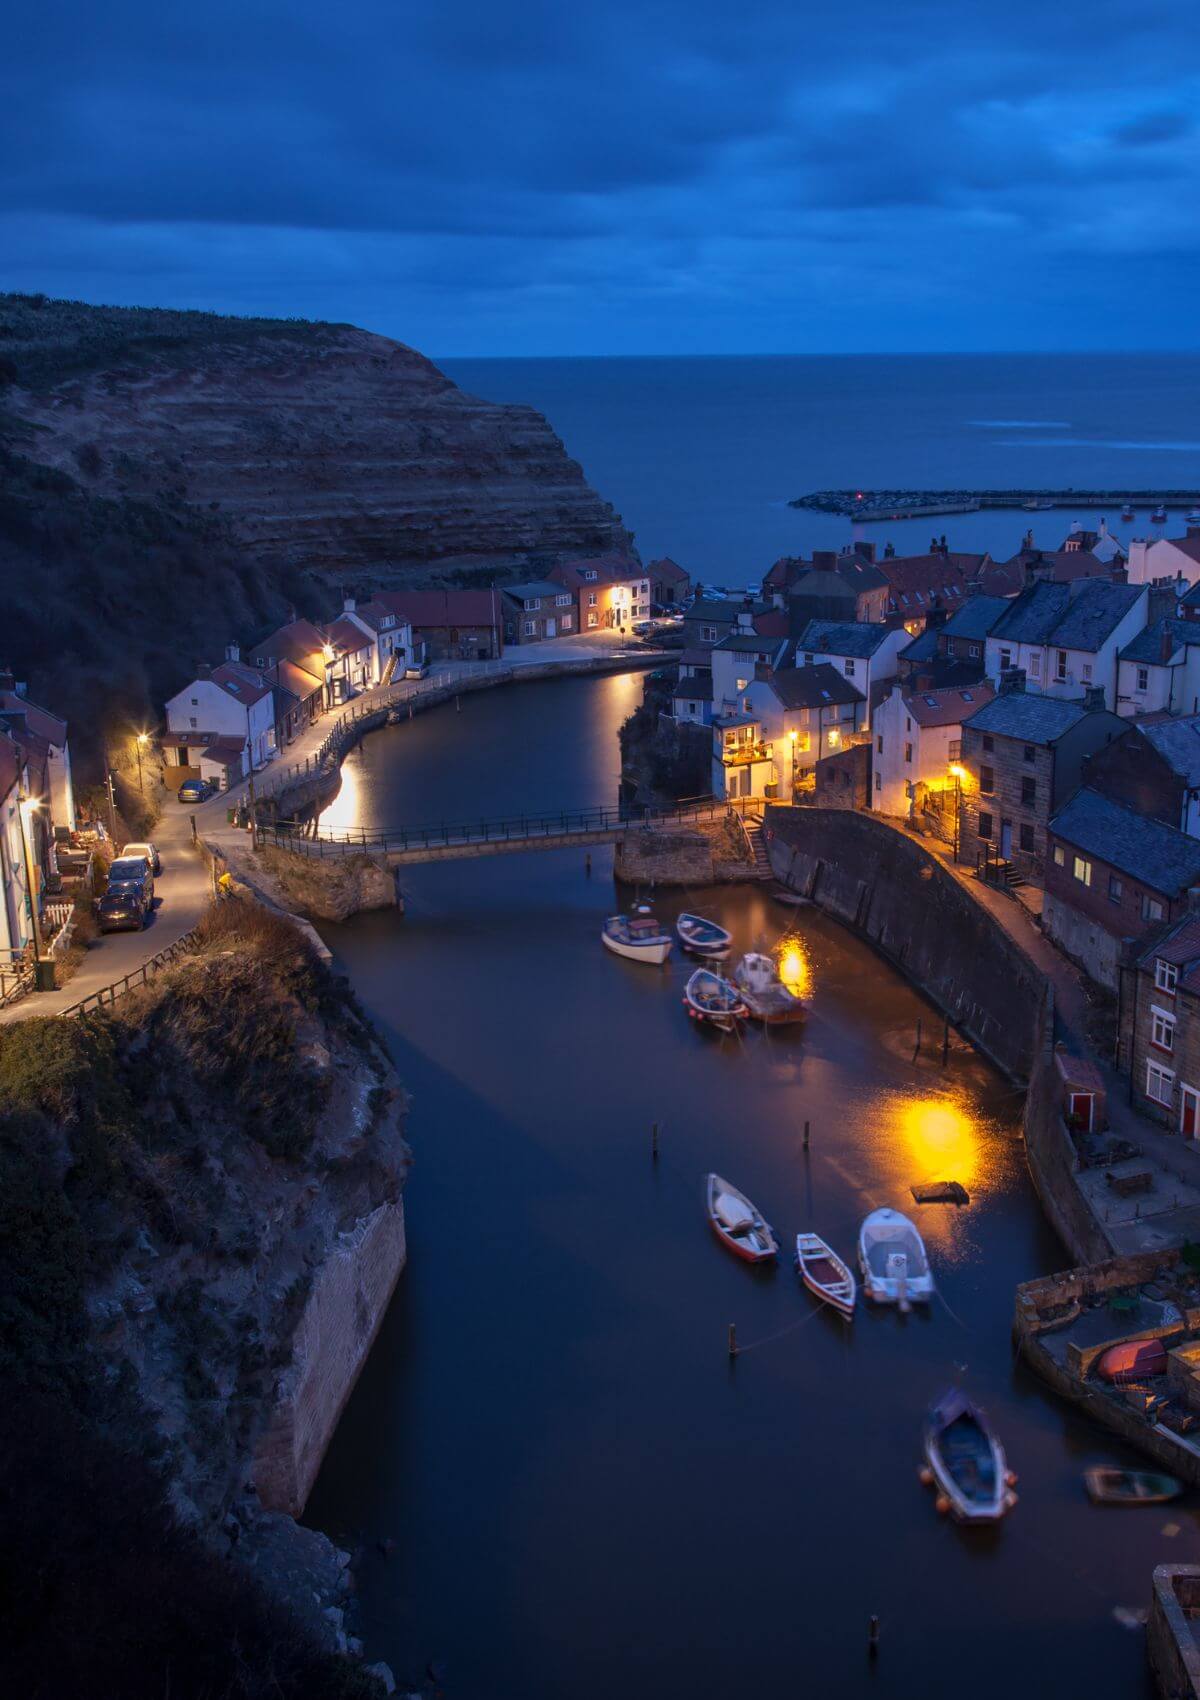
<point x="768" y="998"/>
<point x="708" y="998"/>
<point x="1110" y="1486"/>
<point x="965" y="1461"/>
<point x="737" y="1223"/>
<point x="702" y="936"/>
<point x="891" y="1254"/>
<point x="639" y="937"/>
<point x="825" y="1275"/>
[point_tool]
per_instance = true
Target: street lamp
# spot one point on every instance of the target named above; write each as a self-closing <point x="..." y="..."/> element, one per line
<point x="142" y="738"/>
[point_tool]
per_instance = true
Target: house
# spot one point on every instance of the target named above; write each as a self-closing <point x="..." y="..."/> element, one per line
<point x="692" y="696"/>
<point x="452" y="625"/>
<point x="1160" y="1025"/>
<point x="843" y="780"/>
<point x="743" y="759"/>
<point x="537" y="609"/>
<point x="1101" y="544"/>
<point x="917" y="583"/>
<point x="670" y="584"/>
<point x="1154" y="768"/>
<point x="391" y="637"/>
<point x="710" y="618"/>
<point x="1151" y="560"/>
<point x="964" y="635"/>
<point x="610" y="593"/>
<point x="805" y="714"/>
<point x="16" y="923"/>
<point x="737" y="659"/>
<point x="351" y="658"/>
<point x="1066" y="638"/>
<point x="221" y="726"/>
<point x="301" y="644"/>
<point x="917" y="737"/>
<point x="865" y="654"/>
<point x="1159" y="670"/>
<point x="18" y="714"/>
<point x="1022" y="755"/>
<point x="299" y="698"/>
<point x="846" y="586"/>
<point x="1112" y="875"/>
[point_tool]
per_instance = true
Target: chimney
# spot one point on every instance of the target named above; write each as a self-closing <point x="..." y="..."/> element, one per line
<point x="889" y="551"/>
<point x="233" y="652"/>
<point x="824" y="561"/>
<point x="867" y="551"/>
<point x="1166" y="644"/>
<point x="1012" y="681"/>
<point x="203" y="670"/>
<point x="1093" y="699"/>
<point x="348" y="604"/>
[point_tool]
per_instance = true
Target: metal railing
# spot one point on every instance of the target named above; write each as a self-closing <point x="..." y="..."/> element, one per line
<point x="138" y="977"/>
<point x="562" y="823"/>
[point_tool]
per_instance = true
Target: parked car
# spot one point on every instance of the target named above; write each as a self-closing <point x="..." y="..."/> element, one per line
<point x="121" y="911"/>
<point x="147" y="852"/>
<point x="643" y="628"/>
<point x="132" y="873"/>
<point x="416" y="670"/>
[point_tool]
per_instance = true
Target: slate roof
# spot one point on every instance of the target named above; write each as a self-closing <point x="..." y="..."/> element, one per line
<point x="924" y="647"/>
<point x="916" y="580"/>
<point x="1095" y="610"/>
<point x="243" y="683"/>
<point x="817" y="686"/>
<point x="534" y="589"/>
<point x="609" y="569"/>
<point x="1191" y="598"/>
<point x="1035" y="720"/>
<point x="443" y="607"/>
<point x="1180" y="944"/>
<point x="1147" y="646"/>
<point x="45" y="724"/>
<point x="1178" y="743"/>
<point x="696" y="687"/>
<point x="977" y="617"/>
<point x="1033" y="614"/>
<point x="1147" y="850"/>
<point x="843" y="637"/>
<point x="713" y="609"/>
<point x="346" y="636"/>
<point x="949" y="705"/>
<point x="751" y="643"/>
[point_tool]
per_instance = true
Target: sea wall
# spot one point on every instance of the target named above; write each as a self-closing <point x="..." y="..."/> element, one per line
<point x="1051" y="1155"/>
<point x="710" y="852"/>
<point x="1170" y="1643"/>
<point x="885" y="886"/>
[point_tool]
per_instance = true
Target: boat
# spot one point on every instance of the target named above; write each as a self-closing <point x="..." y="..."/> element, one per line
<point x="738" y="1224"/>
<point x="702" y="937"/>
<point x="708" y="998"/>
<point x="1110" y="1486"/>
<point x="1131" y="1361"/>
<point x="891" y="1254"/>
<point x="824" y="1273"/>
<point x="1037" y="507"/>
<point x="639" y="937"/>
<point x="768" y="998"/>
<point x="1127" y="513"/>
<point x="1159" y="516"/>
<point x="965" y="1461"/>
<point x="1192" y="517"/>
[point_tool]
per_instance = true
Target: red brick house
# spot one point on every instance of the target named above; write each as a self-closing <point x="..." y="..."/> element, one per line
<point x="611" y="594"/>
<point x="670" y="584"/>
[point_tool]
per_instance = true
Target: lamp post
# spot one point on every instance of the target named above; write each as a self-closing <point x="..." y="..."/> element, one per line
<point x="956" y="773"/>
<point x="142" y="738"/>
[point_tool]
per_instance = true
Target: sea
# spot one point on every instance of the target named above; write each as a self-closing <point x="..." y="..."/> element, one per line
<point x="702" y="456"/>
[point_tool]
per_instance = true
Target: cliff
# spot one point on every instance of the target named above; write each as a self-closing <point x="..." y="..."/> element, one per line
<point x="171" y="480"/>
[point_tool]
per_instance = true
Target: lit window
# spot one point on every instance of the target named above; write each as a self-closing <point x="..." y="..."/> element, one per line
<point x="1160" y="1083"/>
<point x="1082" y="870"/>
<point x="1162" y="1029"/>
<point x="1166" y="976"/>
<point x="1060" y="856"/>
<point x="835" y="737"/>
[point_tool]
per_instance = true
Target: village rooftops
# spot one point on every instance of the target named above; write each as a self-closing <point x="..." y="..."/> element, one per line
<point x="1147" y="850"/>
<point x="668" y="570"/>
<point x="719" y="608"/>
<point x="295" y="680"/>
<point x="344" y="635"/>
<point x="602" y="569"/>
<point x="1033" y="615"/>
<point x="924" y="647"/>
<point x="949" y="704"/>
<point x="817" y="686"/>
<point x="1095" y="610"/>
<point x="751" y="643"/>
<point x="1149" y="646"/>
<point x="978" y="617"/>
<point x="1177" y="742"/>
<point x="695" y="687"/>
<point x="244" y="684"/>
<point x="443" y="607"/>
<point x="1032" y="719"/>
<point x="918" y="580"/>
<point x="39" y="720"/>
<point x="854" y="638"/>
<point x="298" y="641"/>
<point x="534" y="590"/>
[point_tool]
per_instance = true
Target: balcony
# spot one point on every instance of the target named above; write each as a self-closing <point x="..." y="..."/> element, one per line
<point x="744" y="752"/>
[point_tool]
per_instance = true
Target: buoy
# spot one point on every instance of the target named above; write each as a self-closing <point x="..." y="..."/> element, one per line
<point x="941" y="1504"/>
<point x="1012" y="1500"/>
<point x="1011" y="1478"/>
<point x="925" y="1475"/>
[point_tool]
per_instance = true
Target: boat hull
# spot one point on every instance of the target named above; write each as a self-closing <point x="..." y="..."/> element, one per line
<point x="907" y="1287"/>
<point x="825" y="1275"/>
<point x="966" y="1461"/>
<point x="737" y="1223"/>
<point x="702" y="938"/>
<point x="655" y="953"/>
<point x="1130" y="1487"/>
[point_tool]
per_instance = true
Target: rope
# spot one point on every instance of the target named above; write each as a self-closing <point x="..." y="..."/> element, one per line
<point x="790" y="1329"/>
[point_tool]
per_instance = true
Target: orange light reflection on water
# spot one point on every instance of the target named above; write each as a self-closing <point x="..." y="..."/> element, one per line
<point x="940" y="1140"/>
<point x="344" y="813"/>
<point x="794" y="965"/>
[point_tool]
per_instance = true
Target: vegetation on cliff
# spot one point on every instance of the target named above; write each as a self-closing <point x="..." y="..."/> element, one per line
<point x="157" y="1229"/>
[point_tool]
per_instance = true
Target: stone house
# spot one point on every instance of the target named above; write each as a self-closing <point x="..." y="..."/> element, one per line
<point x="1022" y="756"/>
<point x="451" y="625"/>
<point x="843" y="780"/>
<point x="611" y="593"/>
<point x="1067" y="638"/>
<point x="301" y="644"/>
<point x="917" y="738"/>
<point x="1154" y="768"/>
<point x="670" y="584"/>
<point x="1159" y="1025"/>
<point x="536" y="610"/>
<point x="1112" y="877"/>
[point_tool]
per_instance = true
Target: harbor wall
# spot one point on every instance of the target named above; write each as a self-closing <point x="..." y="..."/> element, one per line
<point x="1170" y="1644"/>
<point x="1051" y="1155"/>
<point x="885" y="886"/>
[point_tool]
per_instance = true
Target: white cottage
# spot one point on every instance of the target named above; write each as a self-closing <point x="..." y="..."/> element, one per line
<point x="1067" y="638"/>
<point x="917" y="741"/>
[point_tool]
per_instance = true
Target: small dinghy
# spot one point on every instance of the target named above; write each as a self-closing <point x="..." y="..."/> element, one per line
<point x="824" y="1273"/>
<point x="1159" y="516"/>
<point x="768" y="998"/>
<point x="639" y="937"/>
<point x="707" y="997"/>
<point x="738" y="1223"/>
<point x="965" y="1461"/>
<point x="1107" y="1486"/>
<point x="702" y="937"/>
<point x="891" y="1254"/>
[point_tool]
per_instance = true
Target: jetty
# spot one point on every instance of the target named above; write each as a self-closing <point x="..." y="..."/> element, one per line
<point x="925" y="504"/>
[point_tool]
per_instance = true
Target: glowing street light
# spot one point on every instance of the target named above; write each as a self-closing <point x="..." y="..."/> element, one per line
<point x="142" y="738"/>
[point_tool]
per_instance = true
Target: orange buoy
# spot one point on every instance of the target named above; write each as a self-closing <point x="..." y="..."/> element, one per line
<point x="942" y="1504"/>
<point x="1011" y="1478"/>
<point x="925" y="1476"/>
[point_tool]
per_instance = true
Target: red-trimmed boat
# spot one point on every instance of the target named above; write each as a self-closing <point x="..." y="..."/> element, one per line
<point x="737" y="1224"/>
<point x="708" y="998"/>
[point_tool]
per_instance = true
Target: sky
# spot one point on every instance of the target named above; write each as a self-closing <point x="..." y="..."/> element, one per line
<point x="635" y="177"/>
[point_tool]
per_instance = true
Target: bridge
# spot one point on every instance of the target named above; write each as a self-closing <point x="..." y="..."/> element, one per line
<point x="450" y="842"/>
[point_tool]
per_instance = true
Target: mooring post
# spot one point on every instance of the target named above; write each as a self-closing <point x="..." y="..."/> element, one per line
<point x="873" y="1637"/>
<point x="587" y="864"/>
<point x="733" y="1345"/>
<point x="917" y="1046"/>
<point x="654" y="1141"/>
<point x="806" y="1136"/>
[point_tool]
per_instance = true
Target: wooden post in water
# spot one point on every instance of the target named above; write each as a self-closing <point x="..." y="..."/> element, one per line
<point x="806" y="1136"/>
<point x="733" y="1345"/>
<point x="873" y="1637"/>
<point x="917" y="1046"/>
<point x="654" y="1141"/>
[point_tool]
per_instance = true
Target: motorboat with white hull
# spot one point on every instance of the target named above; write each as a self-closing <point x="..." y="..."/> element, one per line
<point x="708" y="998"/>
<point x="639" y="937"/>
<point x="767" y="996"/>
<point x="892" y="1257"/>
<point x="702" y="936"/>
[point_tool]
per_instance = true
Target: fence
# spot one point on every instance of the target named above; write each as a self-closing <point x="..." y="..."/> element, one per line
<point x="139" y="977"/>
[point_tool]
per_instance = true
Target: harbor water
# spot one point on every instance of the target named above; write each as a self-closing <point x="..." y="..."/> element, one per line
<point x="561" y="1482"/>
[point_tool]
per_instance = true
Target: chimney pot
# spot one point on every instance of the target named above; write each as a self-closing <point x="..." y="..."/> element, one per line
<point x="233" y="652"/>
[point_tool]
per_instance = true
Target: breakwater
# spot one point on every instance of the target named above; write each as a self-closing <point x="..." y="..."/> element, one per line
<point x="915" y="504"/>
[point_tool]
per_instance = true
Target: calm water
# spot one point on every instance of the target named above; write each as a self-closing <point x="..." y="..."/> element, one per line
<point x="701" y="455"/>
<point x="586" y="1497"/>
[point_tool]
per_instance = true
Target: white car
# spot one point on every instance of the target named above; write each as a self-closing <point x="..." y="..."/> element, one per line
<point x="147" y="852"/>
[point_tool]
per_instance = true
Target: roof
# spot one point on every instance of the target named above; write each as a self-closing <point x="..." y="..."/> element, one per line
<point x="1147" y="850"/>
<point x="859" y="574"/>
<point x="924" y="647"/>
<point x="608" y="569"/>
<point x="1147" y="646"/>
<point x="916" y="579"/>
<point x="949" y="705"/>
<point x="1180" y="944"/>
<point x="1035" y="720"/>
<point x="531" y="591"/>
<point x="697" y="657"/>
<point x="345" y="635"/>
<point x="39" y="720"/>
<point x="443" y="607"/>
<point x="1032" y="616"/>
<point x="666" y="568"/>
<point x="977" y="616"/>
<point x="374" y="614"/>
<point x="843" y="637"/>
<point x="750" y="643"/>
<point x="296" y="680"/>
<point x="226" y="752"/>
<point x="773" y="624"/>
<point x="713" y="608"/>
<point x="813" y="687"/>
<point x="298" y="641"/>
<point x="1188" y="545"/>
<point x="1095" y="610"/>
<point x="696" y="687"/>
<point x="11" y="764"/>
<point x="1178" y="743"/>
<point x="245" y="684"/>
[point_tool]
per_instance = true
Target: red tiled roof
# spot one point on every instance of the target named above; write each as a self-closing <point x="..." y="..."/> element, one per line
<point x="39" y="720"/>
<point x="668" y="569"/>
<point x="930" y="575"/>
<point x="298" y="680"/>
<point x="244" y="684"/>
<point x="298" y="641"/>
<point x="949" y="705"/>
<point x="609" y="569"/>
<point x="444" y="607"/>
<point x="345" y="635"/>
<point x="774" y="623"/>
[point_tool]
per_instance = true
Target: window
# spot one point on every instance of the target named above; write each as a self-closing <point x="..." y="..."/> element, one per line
<point x="808" y="660"/>
<point x="196" y="701"/>
<point x="1166" y="976"/>
<point x="908" y="752"/>
<point x="1160" y="1083"/>
<point x="1060" y="669"/>
<point x="850" y="667"/>
<point x="1060" y="856"/>
<point x="1082" y="870"/>
<point x="566" y="622"/>
<point x="592" y="602"/>
<point x="529" y="627"/>
<point x="563" y="600"/>
<point x="192" y="722"/>
<point x="954" y="749"/>
<point x="987" y="781"/>
<point x="388" y="620"/>
<point x="1005" y="658"/>
<point x="1030" y="753"/>
<point x="1152" y="909"/>
<point x="973" y="651"/>
<point x="1026" y="838"/>
<point x="708" y="634"/>
<point x="1143" y="678"/>
<point x="989" y="743"/>
<point x="531" y="604"/>
<point x="592" y="617"/>
<point x="1035" y="665"/>
<point x="985" y="825"/>
<point x="1162" y="1028"/>
<point x="1086" y="672"/>
<point x="879" y="782"/>
<point x="879" y="743"/>
<point x="1029" y="793"/>
<point x="590" y="574"/>
<point x="1116" y="889"/>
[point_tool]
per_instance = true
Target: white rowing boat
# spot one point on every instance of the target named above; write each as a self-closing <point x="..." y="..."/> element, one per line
<point x="824" y="1273"/>
<point x="737" y="1223"/>
<point x="638" y="937"/>
<point x="701" y="936"/>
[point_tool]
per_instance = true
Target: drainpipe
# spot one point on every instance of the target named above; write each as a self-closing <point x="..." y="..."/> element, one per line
<point x="1133" y="1033"/>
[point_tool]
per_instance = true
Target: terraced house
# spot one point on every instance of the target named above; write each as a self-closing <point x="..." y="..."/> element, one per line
<point x="1160" y="1025"/>
<point x="1066" y="638"/>
<point x="536" y="610"/>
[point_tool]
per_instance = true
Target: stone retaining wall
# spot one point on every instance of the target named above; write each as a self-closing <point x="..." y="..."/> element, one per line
<point x="1170" y="1643"/>
<point x="1051" y="1155"/>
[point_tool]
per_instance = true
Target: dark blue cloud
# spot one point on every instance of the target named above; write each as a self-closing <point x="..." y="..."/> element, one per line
<point x="633" y="174"/>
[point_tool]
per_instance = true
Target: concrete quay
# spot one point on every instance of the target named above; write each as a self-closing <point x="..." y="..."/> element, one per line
<point x="916" y="504"/>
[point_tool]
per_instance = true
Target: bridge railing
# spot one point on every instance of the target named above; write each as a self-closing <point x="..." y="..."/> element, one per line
<point x="555" y="823"/>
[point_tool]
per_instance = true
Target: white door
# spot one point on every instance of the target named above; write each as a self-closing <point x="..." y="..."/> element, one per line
<point x="551" y="628"/>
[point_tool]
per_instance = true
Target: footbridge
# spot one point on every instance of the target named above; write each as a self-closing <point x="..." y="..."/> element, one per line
<point x="449" y="842"/>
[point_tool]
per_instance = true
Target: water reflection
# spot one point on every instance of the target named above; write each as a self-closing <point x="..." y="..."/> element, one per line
<point x="794" y="964"/>
<point x="345" y="812"/>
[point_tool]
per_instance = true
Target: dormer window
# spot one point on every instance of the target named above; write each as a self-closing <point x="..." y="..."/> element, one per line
<point x="1166" y="976"/>
<point x="388" y="620"/>
<point x="591" y="575"/>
